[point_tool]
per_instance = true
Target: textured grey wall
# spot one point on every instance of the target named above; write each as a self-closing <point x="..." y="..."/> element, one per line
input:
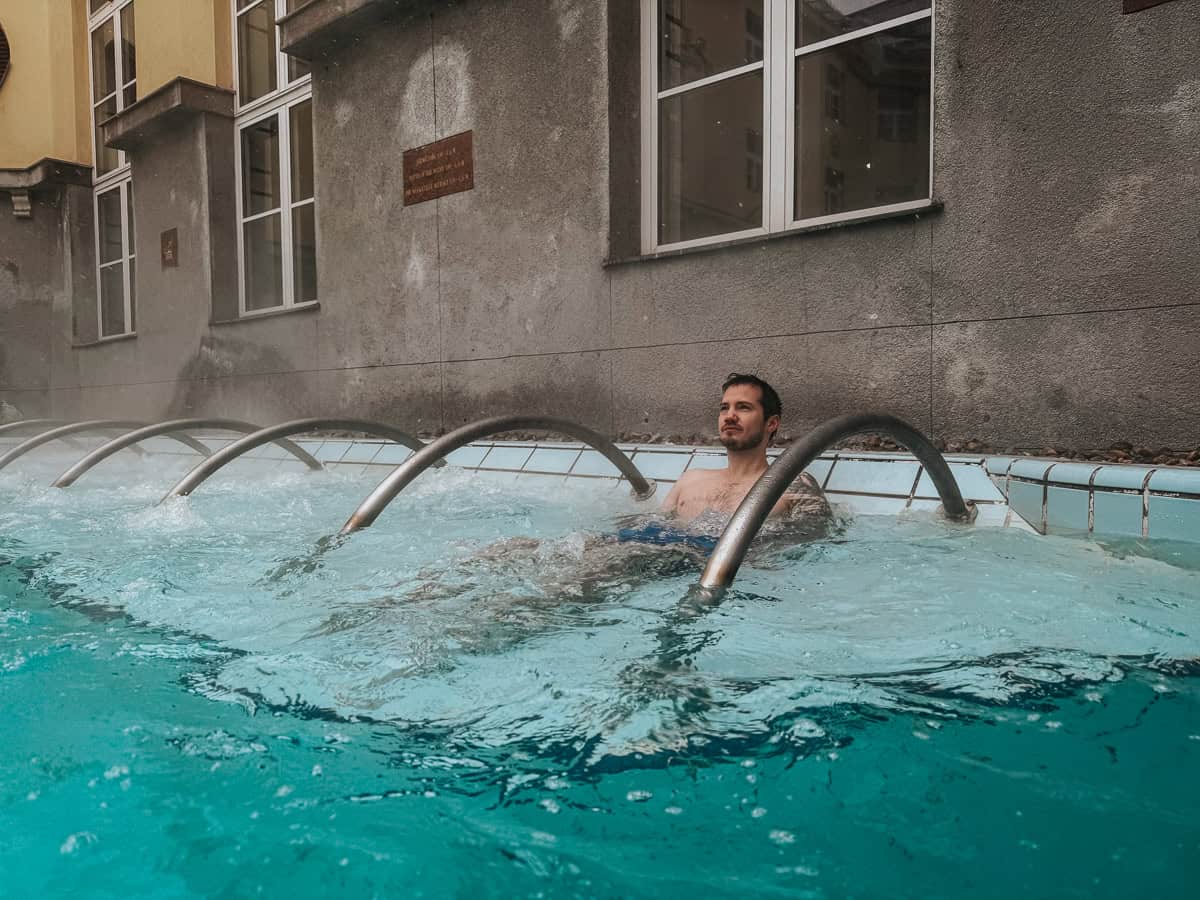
<point x="1052" y="301"/>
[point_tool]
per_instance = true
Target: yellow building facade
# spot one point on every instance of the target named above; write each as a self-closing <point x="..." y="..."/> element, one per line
<point x="45" y="109"/>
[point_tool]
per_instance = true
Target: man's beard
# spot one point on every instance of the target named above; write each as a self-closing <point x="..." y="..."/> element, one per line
<point x="742" y="440"/>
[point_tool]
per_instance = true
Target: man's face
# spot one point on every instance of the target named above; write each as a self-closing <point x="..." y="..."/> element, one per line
<point x="741" y="423"/>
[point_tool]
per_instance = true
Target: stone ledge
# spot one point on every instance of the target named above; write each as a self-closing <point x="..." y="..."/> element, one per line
<point x="321" y="27"/>
<point x="45" y="172"/>
<point x="163" y="110"/>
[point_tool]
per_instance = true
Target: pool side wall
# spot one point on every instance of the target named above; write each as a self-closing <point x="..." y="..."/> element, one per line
<point x="1050" y="300"/>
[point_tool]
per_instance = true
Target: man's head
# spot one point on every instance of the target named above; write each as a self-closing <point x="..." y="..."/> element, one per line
<point x="750" y="411"/>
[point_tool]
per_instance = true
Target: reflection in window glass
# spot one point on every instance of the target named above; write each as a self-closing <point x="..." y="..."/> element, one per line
<point x="819" y="20"/>
<point x="869" y="146"/>
<point x="94" y="5"/>
<point x="256" y="51"/>
<point x="706" y="137"/>
<point x="128" y="52"/>
<point x="698" y="38"/>
<point x="107" y="158"/>
<point x="112" y="300"/>
<point x="301" y="139"/>
<point x="104" y="62"/>
<point x="263" y="263"/>
<point x="108" y="211"/>
<point x="260" y="166"/>
<point x="304" y="250"/>
<point x="129" y="215"/>
<point x="297" y="68"/>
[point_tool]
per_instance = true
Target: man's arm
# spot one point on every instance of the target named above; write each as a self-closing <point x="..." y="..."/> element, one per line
<point x="805" y="498"/>
<point x="671" y="502"/>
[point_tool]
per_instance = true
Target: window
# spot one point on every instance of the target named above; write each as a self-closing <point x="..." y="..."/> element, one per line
<point x="112" y="50"/>
<point x="769" y="115"/>
<point x="276" y="199"/>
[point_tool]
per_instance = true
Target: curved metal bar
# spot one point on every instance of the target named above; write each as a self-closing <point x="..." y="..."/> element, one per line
<point x="65" y="431"/>
<point x="368" y="511"/>
<point x="32" y="423"/>
<point x="46" y="425"/>
<point x="735" y="540"/>
<point x="71" y="475"/>
<point x="228" y="454"/>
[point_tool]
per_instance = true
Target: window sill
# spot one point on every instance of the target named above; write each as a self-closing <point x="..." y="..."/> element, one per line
<point x="100" y="342"/>
<point x="934" y="206"/>
<point x="313" y="306"/>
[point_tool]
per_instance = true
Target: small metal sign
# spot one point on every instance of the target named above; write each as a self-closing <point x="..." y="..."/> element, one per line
<point x="443" y="167"/>
<point x="170" y="248"/>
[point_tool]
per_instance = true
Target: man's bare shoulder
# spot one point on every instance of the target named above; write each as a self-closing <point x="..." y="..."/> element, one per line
<point x="696" y="477"/>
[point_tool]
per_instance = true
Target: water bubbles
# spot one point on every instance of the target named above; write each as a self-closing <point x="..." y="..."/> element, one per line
<point x="781" y="837"/>
<point x="550" y="805"/>
<point x="638" y="796"/>
<point x="805" y="729"/>
<point x="673" y="810"/>
<point x="284" y="790"/>
<point x="115" y="772"/>
<point x="75" y="841"/>
<point x="758" y="812"/>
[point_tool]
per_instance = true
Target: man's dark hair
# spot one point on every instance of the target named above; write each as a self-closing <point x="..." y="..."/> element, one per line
<point x="770" y="399"/>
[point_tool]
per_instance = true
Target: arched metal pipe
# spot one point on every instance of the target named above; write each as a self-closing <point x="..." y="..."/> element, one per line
<point x="228" y="454"/>
<point x="64" y="431"/>
<point x="23" y="424"/>
<point x="46" y="425"/>
<point x="735" y="540"/>
<point x="102" y="453"/>
<point x="368" y="511"/>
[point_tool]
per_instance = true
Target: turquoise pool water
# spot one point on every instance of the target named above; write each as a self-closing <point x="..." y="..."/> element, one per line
<point x="195" y="706"/>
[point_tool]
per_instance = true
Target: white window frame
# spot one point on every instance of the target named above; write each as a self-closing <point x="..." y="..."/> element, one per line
<point x="278" y="104"/>
<point x="121" y="177"/>
<point x="780" y="53"/>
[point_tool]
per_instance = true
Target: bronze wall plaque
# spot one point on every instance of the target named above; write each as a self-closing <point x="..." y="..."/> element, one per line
<point x="443" y="167"/>
<point x="169" y="241"/>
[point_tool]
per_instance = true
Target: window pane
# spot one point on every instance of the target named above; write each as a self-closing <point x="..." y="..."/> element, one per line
<point x="106" y="157"/>
<point x="128" y="42"/>
<point x="112" y="300"/>
<point x="108" y="211"/>
<point x="698" y="38"/>
<point x="104" y="62"/>
<point x="297" y="68"/>
<point x="862" y="123"/>
<point x="260" y="166"/>
<point x="132" y="295"/>
<point x="302" y="151"/>
<point x="130" y="242"/>
<point x="819" y="20"/>
<point x="256" y="51"/>
<point x="264" y="263"/>
<point x="709" y="139"/>
<point x="304" y="253"/>
<point x="95" y="5"/>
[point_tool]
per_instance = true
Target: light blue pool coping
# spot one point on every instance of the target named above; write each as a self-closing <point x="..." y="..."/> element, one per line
<point x="1044" y="495"/>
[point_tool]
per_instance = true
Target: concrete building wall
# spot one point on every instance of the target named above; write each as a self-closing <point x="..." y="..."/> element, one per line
<point x="1050" y="300"/>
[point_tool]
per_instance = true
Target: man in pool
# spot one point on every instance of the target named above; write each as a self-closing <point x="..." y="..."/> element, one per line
<point x="746" y="423"/>
<point x="547" y="572"/>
